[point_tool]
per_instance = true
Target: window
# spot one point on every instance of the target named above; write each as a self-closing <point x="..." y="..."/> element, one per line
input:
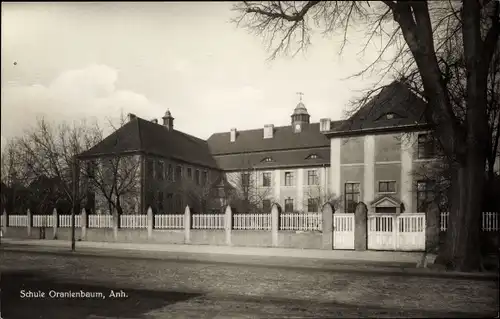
<point x="266" y="179"/>
<point x="160" y="170"/>
<point x="178" y="203"/>
<point x="289" y="205"/>
<point x="91" y="168"/>
<point x="387" y="187"/>
<point x="170" y="176"/>
<point x="426" y="146"/>
<point x="197" y="177"/>
<point x="385" y="210"/>
<point x="313" y="156"/>
<point x="160" y="202"/>
<point x="288" y="178"/>
<point x="204" y="178"/>
<point x="150" y="168"/>
<point x="266" y="205"/>
<point x="312" y="205"/>
<point x="178" y="172"/>
<point x="312" y="177"/>
<point x="170" y="204"/>
<point x="190" y="173"/>
<point x="245" y="179"/>
<point x="425" y="195"/>
<point x="267" y="160"/>
<point x="352" y="194"/>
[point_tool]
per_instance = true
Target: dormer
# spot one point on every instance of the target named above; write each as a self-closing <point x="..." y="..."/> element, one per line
<point x="312" y="156"/>
<point x="389" y="116"/>
<point x="267" y="160"/>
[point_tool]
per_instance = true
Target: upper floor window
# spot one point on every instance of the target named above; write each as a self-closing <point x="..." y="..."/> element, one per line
<point x="387" y="187"/>
<point x="426" y="146"/>
<point x="178" y="172"/>
<point x="170" y="176"/>
<point x="312" y="177"/>
<point x="160" y="170"/>
<point x="204" y="179"/>
<point x="190" y="173"/>
<point x="288" y="178"/>
<point x="197" y="177"/>
<point x="351" y="196"/>
<point x="245" y="179"/>
<point x="150" y="168"/>
<point x="266" y="179"/>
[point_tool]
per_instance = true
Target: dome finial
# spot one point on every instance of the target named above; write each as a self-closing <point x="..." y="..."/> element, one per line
<point x="300" y="95"/>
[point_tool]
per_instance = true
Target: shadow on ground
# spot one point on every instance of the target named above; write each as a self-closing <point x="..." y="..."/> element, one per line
<point x="133" y="303"/>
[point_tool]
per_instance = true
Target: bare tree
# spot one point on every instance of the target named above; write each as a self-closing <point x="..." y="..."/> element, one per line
<point x="201" y="197"/>
<point x="247" y="194"/>
<point x="320" y="195"/>
<point x="420" y="32"/>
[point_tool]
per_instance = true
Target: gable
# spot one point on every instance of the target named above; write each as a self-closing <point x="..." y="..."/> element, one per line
<point x="386" y="201"/>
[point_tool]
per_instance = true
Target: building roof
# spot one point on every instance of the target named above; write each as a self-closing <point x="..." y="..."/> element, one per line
<point x="253" y="140"/>
<point x="141" y="136"/>
<point x="274" y="159"/>
<point x="395" y="106"/>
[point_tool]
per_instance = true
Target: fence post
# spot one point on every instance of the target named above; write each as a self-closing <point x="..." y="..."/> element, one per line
<point x="55" y="223"/>
<point x="228" y="224"/>
<point x="116" y="223"/>
<point x="327" y="226"/>
<point x="275" y="224"/>
<point x="187" y="225"/>
<point x="83" y="223"/>
<point x="361" y="227"/>
<point x="150" y="223"/>
<point x="5" y="221"/>
<point x="29" y="222"/>
<point x="432" y="228"/>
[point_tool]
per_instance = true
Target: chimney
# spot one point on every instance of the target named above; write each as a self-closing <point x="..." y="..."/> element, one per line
<point x="268" y="131"/>
<point x="131" y="116"/>
<point x="233" y="135"/>
<point x="324" y="125"/>
<point x="154" y="121"/>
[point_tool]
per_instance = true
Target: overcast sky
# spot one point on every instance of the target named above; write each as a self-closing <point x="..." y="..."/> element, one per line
<point x="79" y="60"/>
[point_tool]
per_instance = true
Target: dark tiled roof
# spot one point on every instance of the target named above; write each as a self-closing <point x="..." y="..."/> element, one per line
<point x="290" y="158"/>
<point x="396" y="98"/>
<point x="140" y="135"/>
<point x="253" y="140"/>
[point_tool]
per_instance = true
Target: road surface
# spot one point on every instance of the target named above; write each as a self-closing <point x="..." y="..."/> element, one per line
<point x="110" y="287"/>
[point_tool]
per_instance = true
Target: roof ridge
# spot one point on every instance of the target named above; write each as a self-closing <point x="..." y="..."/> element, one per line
<point x="259" y="129"/>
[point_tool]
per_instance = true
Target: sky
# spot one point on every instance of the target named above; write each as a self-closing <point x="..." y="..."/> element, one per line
<point x="70" y="61"/>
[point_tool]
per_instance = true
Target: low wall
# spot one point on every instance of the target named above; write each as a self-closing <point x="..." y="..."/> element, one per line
<point x="251" y="238"/>
<point x="100" y="234"/>
<point x="208" y="237"/>
<point x="304" y="240"/>
<point x="65" y="233"/>
<point x="168" y="237"/>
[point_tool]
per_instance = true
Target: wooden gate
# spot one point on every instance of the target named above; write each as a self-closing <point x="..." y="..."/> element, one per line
<point x="404" y="232"/>
<point x="343" y="231"/>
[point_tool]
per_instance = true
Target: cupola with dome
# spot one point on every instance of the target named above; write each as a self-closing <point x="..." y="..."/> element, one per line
<point x="300" y="116"/>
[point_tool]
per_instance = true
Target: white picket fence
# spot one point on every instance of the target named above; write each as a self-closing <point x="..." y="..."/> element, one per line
<point x="65" y="221"/>
<point x="343" y="231"/>
<point x="208" y="221"/>
<point x="403" y="232"/>
<point x="490" y="221"/>
<point x="100" y="221"/>
<point x="18" y="220"/>
<point x="169" y="221"/>
<point x="134" y="221"/>
<point x="252" y="221"/>
<point x="301" y="221"/>
<point x="43" y="221"/>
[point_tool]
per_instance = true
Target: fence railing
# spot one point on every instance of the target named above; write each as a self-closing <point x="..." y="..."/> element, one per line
<point x="18" y="221"/>
<point x="301" y="221"/>
<point x="134" y="221"/>
<point x="100" y="221"/>
<point x="43" y="221"/>
<point x="65" y="221"/>
<point x="169" y="221"/>
<point x="208" y="221"/>
<point x="252" y="221"/>
<point x="489" y="221"/>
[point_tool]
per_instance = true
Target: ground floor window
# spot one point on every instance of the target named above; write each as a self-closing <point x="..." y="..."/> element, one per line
<point x="351" y="197"/>
<point x="289" y="205"/>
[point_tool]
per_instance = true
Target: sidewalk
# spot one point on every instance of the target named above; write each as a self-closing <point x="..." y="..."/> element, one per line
<point x="383" y="257"/>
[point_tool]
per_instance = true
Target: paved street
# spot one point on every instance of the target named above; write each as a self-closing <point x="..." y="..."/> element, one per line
<point x="174" y="289"/>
